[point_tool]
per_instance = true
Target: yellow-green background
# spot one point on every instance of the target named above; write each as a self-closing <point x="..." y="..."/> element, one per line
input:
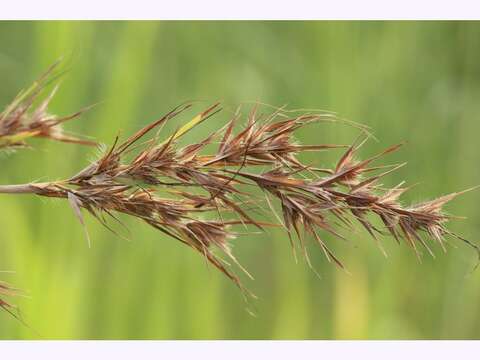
<point x="412" y="81"/>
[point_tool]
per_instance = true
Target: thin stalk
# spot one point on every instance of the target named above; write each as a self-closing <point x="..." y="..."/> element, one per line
<point x="19" y="189"/>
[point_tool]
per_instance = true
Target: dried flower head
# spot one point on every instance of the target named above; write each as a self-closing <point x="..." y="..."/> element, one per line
<point x="199" y="197"/>
<point x="23" y="119"/>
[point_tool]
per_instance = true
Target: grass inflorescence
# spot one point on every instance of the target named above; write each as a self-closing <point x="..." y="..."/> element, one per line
<point x="27" y="116"/>
<point x="201" y="194"/>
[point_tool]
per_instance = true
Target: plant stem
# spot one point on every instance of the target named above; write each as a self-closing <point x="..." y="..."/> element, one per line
<point x="19" y="189"/>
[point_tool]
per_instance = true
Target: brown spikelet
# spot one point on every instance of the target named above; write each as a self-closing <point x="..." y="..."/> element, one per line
<point x="22" y="119"/>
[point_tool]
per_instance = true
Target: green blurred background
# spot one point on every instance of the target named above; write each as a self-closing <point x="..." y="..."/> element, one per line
<point x="412" y="81"/>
